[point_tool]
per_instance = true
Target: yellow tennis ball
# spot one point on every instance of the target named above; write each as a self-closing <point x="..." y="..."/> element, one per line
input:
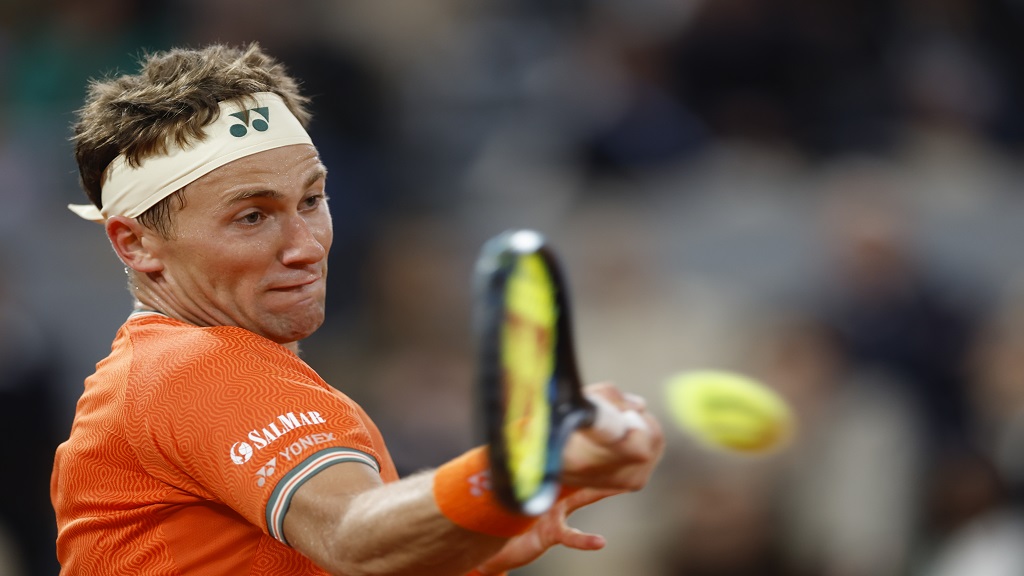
<point x="729" y="411"/>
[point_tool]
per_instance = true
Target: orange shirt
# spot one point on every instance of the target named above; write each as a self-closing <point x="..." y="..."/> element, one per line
<point x="187" y="447"/>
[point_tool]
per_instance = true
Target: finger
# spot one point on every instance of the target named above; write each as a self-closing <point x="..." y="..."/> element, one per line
<point x="634" y="402"/>
<point x="634" y="420"/>
<point x="608" y="391"/>
<point x="579" y="540"/>
<point x="624" y="400"/>
<point x="585" y="497"/>
<point x="610" y="424"/>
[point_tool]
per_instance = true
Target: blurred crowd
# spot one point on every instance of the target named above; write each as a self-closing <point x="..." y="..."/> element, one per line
<point x="824" y="195"/>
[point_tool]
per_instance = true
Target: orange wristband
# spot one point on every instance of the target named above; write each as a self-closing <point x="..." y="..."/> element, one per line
<point x="462" y="489"/>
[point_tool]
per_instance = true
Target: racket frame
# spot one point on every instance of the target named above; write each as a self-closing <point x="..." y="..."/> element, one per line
<point x="570" y="409"/>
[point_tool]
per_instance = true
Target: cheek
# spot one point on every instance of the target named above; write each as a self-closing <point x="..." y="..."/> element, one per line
<point x="321" y="225"/>
<point x="322" y="230"/>
<point x="224" y="268"/>
<point x="327" y="239"/>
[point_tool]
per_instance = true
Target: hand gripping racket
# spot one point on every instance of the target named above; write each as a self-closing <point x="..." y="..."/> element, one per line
<point x="529" y="383"/>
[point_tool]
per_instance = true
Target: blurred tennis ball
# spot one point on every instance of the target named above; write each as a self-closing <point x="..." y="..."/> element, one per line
<point x="729" y="411"/>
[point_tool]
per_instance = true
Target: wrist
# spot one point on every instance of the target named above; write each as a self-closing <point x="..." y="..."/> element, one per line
<point x="462" y="490"/>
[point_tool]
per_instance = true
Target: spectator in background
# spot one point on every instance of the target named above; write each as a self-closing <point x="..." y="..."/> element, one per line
<point x="893" y="316"/>
<point x="900" y="420"/>
<point x="27" y="369"/>
<point x="987" y="541"/>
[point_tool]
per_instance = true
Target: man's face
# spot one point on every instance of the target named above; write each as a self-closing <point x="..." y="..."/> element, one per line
<point x="249" y="248"/>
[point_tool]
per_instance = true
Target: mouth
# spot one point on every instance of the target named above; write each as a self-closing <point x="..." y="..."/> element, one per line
<point x="297" y="286"/>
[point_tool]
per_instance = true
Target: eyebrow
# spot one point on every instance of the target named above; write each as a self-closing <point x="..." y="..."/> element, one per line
<point x="318" y="174"/>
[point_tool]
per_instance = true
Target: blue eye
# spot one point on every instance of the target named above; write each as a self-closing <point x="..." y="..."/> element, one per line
<point x="252" y="218"/>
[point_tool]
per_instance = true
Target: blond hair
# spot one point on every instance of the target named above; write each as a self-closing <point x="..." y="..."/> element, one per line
<point x="173" y="96"/>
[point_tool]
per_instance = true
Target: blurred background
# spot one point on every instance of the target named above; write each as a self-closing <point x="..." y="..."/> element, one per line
<point x="825" y="195"/>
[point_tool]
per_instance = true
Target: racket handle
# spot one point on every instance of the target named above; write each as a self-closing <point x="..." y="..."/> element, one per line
<point x="611" y="424"/>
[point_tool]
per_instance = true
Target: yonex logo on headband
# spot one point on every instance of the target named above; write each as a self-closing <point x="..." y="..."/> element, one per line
<point x="259" y="124"/>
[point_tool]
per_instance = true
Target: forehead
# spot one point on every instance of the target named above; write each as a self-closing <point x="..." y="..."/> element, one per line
<point x="279" y="168"/>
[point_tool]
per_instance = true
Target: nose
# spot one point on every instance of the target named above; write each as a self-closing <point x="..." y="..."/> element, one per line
<point x="305" y="242"/>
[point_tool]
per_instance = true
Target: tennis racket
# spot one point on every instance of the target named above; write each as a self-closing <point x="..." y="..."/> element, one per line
<point x="529" y="382"/>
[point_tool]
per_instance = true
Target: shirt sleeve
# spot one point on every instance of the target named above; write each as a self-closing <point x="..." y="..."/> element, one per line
<point x="244" y="422"/>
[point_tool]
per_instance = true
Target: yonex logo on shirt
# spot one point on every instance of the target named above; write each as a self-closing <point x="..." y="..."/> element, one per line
<point x="242" y="452"/>
<point x="266" y="472"/>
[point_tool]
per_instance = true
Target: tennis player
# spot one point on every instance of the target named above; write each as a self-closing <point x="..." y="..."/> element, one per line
<point x="203" y="444"/>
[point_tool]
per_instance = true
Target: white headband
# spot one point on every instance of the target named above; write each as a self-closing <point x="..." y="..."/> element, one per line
<point x="242" y="129"/>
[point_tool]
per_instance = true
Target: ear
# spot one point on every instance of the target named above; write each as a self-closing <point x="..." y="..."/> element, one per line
<point x="134" y="244"/>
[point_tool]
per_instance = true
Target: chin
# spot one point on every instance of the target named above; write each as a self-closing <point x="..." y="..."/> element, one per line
<point x="295" y="326"/>
<point x="305" y="331"/>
